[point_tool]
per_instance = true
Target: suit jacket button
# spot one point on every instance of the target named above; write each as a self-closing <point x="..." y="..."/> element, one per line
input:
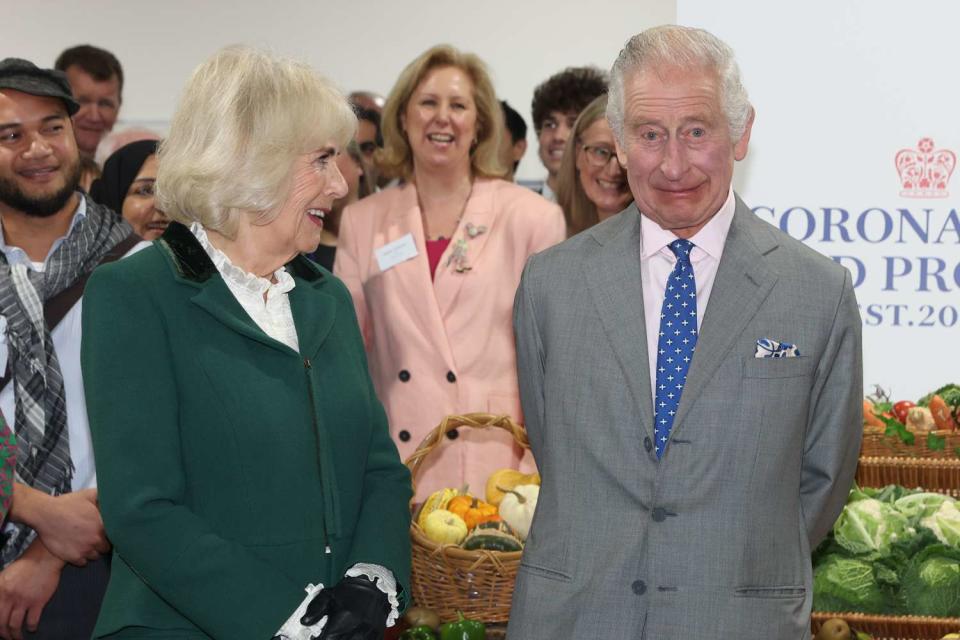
<point x="404" y="375"/>
<point x="639" y="587"/>
<point x="451" y="376"/>
<point x="453" y="434"/>
<point x="404" y="436"/>
<point x="659" y="514"/>
<point x="647" y="444"/>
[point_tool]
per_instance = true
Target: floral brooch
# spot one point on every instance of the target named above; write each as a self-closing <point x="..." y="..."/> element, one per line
<point x="458" y="257"/>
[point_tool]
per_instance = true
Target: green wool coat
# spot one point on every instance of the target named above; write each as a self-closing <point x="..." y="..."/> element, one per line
<point x="232" y="470"/>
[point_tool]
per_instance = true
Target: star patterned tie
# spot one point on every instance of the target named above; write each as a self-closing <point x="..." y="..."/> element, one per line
<point x="677" y="338"/>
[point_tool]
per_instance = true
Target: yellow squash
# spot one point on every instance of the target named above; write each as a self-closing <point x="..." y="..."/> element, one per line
<point x="437" y="500"/>
<point x="506" y="479"/>
<point x="444" y="527"/>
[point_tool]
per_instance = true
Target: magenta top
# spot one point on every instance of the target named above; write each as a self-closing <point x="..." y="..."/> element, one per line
<point x="435" y="249"/>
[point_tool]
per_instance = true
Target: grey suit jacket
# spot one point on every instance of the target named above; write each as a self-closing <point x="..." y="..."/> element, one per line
<point x="714" y="540"/>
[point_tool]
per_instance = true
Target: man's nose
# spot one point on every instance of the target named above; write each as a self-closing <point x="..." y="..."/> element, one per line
<point x="38" y="147"/>
<point x="563" y="132"/>
<point x="674" y="162"/>
<point x="90" y="112"/>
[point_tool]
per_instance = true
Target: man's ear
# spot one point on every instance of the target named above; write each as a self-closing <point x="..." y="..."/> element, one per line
<point x="740" y="146"/>
<point x="621" y="152"/>
<point x="519" y="148"/>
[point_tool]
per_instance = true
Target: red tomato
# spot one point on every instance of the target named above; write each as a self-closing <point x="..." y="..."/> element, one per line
<point x="901" y="408"/>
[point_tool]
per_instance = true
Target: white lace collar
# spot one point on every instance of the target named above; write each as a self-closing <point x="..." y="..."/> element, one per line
<point x="242" y="280"/>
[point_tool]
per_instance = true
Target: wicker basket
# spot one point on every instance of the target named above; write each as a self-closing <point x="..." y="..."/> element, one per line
<point x="446" y="578"/>
<point x="893" y="627"/>
<point x="941" y="475"/>
<point x="877" y="445"/>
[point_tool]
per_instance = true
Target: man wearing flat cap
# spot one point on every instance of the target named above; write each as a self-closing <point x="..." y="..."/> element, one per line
<point x="52" y="547"/>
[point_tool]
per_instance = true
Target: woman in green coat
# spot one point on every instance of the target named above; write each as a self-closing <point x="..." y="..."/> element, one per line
<point x="247" y="478"/>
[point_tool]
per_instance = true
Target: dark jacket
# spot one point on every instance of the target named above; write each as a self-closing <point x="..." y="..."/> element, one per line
<point x="227" y="462"/>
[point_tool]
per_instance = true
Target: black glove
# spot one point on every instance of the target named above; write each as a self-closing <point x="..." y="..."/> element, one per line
<point x="356" y="610"/>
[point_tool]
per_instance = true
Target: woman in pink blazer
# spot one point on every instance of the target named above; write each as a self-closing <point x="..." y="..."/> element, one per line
<point x="433" y="266"/>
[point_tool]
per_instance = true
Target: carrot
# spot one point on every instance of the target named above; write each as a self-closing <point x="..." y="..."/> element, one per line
<point x="941" y="414"/>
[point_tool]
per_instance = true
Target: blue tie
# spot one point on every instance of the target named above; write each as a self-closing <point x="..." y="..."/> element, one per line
<point x="678" y="337"/>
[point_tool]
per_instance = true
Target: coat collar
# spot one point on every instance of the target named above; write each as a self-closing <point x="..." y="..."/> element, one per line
<point x="308" y="302"/>
<point x="192" y="263"/>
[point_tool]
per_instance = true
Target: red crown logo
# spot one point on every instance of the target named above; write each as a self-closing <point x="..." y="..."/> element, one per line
<point x="925" y="171"/>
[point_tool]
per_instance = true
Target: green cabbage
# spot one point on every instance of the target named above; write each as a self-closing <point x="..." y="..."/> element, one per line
<point x="931" y="582"/>
<point x="848" y="584"/>
<point x="921" y="505"/>
<point x="868" y="526"/>
<point x="945" y="523"/>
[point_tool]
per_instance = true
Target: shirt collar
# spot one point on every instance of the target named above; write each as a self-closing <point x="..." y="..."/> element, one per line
<point x="248" y="282"/>
<point x="710" y="239"/>
<point x="15" y="254"/>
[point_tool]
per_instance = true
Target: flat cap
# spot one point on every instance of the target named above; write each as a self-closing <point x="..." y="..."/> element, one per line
<point x="23" y="75"/>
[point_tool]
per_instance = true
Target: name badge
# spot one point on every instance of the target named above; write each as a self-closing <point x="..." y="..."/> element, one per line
<point x="393" y="253"/>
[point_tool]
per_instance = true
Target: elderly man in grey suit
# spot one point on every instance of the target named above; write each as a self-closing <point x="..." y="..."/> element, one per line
<point x="691" y="379"/>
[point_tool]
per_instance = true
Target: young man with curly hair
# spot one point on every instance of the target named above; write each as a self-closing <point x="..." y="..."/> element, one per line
<point x="556" y="104"/>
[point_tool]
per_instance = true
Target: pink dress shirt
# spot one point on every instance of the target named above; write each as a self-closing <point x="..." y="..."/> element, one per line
<point x="657" y="262"/>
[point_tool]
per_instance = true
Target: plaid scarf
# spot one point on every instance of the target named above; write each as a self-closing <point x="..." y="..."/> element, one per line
<point x="40" y="418"/>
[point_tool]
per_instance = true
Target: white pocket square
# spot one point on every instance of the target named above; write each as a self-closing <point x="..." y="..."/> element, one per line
<point x="768" y="348"/>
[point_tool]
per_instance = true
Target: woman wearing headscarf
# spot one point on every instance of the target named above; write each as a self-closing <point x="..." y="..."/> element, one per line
<point x="591" y="184"/>
<point x="243" y="457"/>
<point x="433" y="265"/>
<point x="127" y="186"/>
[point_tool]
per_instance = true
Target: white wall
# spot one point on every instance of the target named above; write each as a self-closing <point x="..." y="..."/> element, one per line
<point x="359" y="45"/>
<point x="840" y="88"/>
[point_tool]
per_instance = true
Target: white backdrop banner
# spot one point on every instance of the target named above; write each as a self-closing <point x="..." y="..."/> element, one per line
<point x="854" y="152"/>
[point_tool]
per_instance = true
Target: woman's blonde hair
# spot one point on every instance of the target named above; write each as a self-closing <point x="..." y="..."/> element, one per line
<point x="396" y="157"/>
<point x="578" y="209"/>
<point x="243" y="119"/>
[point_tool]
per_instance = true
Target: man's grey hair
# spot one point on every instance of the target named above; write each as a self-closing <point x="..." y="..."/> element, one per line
<point x="674" y="47"/>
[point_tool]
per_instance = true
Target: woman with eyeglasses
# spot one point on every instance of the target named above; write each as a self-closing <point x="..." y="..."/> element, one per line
<point x="592" y="184"/>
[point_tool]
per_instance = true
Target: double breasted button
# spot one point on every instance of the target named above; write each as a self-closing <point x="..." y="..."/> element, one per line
<point x="404" y="375"/>
<point x="659" y="514"/>
<point x="639" y="587"/>
<point x="404" y="436"/>
<point x="451" y="376"/>
<point x="647" y="444"/>
<point x="453" y="434"/>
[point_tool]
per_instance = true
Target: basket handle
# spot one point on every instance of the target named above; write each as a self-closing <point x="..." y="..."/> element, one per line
<point x="473" y="420"/>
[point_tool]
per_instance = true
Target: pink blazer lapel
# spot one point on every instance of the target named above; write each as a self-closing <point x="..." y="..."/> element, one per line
<point x="462" y="256"/>
<point x="416" y="288"/>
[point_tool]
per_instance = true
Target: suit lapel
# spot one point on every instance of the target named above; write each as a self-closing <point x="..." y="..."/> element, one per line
<point x="478" y="213"/>
<point x="414" y="285"/>
<point x="742" y="283"/>
<point x="613" y="279"/>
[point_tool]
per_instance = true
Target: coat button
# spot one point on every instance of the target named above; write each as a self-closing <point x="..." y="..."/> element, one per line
<point x="639" y="587"/>
<point x="647" y="444"/>
<point x="453" y="434"/>
<point x="404" y="436"/>
<point x="659" y="514"/>
<point x="451" y="376"/>
<point x="404" y="375"/>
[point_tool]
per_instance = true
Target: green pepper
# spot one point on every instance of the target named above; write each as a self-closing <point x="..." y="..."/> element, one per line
<point x="463" y="629"/>
<point x="421" y="632"/>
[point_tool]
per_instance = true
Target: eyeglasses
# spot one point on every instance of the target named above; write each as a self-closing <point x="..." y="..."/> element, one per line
<point x="598" y="156"/>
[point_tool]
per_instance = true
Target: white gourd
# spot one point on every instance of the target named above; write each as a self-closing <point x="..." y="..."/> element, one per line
<point x="518" y="506"/>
